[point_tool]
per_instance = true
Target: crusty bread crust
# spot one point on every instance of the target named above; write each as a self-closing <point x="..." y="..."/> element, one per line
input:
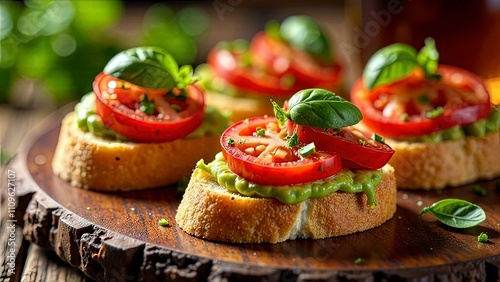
<point x="429" y="166"/>
<point x="209" y="211"/>
<point x="90" y="162"/>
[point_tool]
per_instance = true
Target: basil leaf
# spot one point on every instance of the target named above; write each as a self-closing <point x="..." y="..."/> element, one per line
<point x="456" y="213"/>
<point x="428" y="57"/>
<point x="321" y="108"/>
<point x="185" y="76"/>
<point x="303" y="33"/>
<point x="389" y="64"/>
<point x="281" y="115"/>
<point x="149" y="67"/>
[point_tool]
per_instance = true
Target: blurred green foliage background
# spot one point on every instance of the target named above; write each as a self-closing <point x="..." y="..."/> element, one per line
<point x="59" y="46"/>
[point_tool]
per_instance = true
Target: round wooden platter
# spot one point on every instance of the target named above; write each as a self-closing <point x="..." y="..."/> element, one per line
<point x="116" y="236"/>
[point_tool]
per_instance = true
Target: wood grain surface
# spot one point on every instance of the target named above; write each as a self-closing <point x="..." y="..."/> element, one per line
<point x="116" y="236"/>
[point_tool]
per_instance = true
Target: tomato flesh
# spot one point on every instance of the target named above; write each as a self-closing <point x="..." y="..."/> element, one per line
<point x="275" y="68"/>
<point x="118" y="108"/>
<point x="404" y="108"/>
<point x="357" y="149"/>
<point x="281" y="59"/>
<point x="227" y="65"/>
<point x="267" y="160"/>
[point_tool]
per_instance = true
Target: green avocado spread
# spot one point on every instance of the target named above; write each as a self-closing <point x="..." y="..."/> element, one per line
<point x="346" y="181"/>
<point x="476" y="129"/>
<point x="215" y="122"/>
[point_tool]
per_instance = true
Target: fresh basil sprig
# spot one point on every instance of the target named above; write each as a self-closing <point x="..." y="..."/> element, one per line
<point x="150" y="67"/>
<point x="456" y="213"/>
<point x="428" y="56"/>
<point x="398" y="60"/>
<point x="318" y="108"/>
<point x="303" y="33"/>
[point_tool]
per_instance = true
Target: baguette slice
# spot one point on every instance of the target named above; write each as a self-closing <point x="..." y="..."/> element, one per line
<point x="429" y="166"/>
<point x="209" y="211"/>
<point x="242" y="107"/>
<point x="90" y="162"/>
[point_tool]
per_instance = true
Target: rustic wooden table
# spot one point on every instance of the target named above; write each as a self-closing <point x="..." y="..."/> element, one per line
<point x="21" y="260"/>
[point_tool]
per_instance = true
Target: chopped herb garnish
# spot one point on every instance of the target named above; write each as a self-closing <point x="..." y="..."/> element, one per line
<point x="287" y="80"/>
<point x="480" y="190"/>
<point x="307" y="150"/>
<point x="320" y="168"/>
<point x="147" y="106"/>
<point x="435" y="113"/>
<point x="362" y="142"/>
<point x="359" y="261"/>
<point x="163" y="222"/>
<point x="177" y="94"/>
<point x="260" y="131"/>
<point x="246" y="60"/>
<point x="483" y="237"/>
<point x="378" y="138"/>
<point x="292" y="141"/>
<point x="176" y="108"/>
<point x="404" y="117"/>
<point x="435" y="76"/>
<point x="424" y="99"/>
<point x="182" y="185"/>
<point x="230" y="141"/>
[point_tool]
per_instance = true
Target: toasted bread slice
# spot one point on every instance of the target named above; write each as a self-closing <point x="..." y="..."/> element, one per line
<point x="210" y="211"/>
<point x="429" y="166"/>
<point x="242" y="107"/>
<point x="90" y="162"/>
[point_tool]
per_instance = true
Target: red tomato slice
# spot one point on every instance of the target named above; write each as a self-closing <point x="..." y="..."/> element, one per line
<point x="128" y="93"/>
<point x="165" y="125"/>
<point x="282" y="59"/>
<point x="357" y="149"/>
<point x="401" y="109"/>
<point x="228" y="65"/>
<point x="266" y="160"/>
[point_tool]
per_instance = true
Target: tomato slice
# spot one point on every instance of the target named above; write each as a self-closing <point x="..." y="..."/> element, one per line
<point x="267" y="160"/>
<point x="282" y="59"/>
<point x="129" y="94"/>
<point x="416" y="106"/>
<point x="228" y="65"/>
<point x="357" y="149"/>
<point x="118" y="108"/>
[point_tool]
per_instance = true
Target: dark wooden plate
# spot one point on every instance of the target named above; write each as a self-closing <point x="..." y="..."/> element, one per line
<point x="117" y="236"/>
